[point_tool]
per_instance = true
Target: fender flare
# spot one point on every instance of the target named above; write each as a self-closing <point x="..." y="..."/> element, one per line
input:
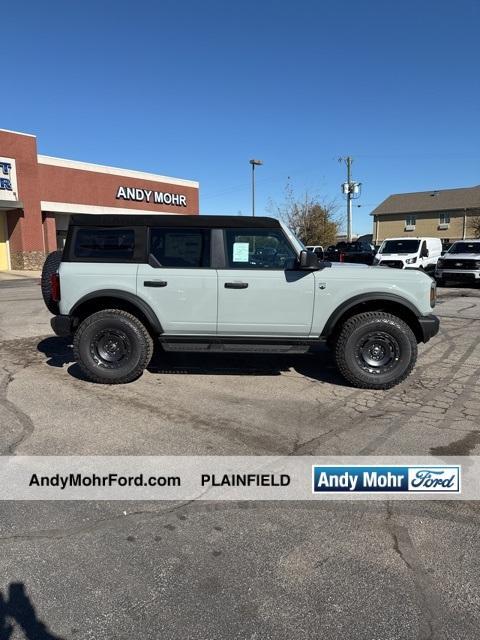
<point x="366" y="297"/>
<point x="131" y="298"/>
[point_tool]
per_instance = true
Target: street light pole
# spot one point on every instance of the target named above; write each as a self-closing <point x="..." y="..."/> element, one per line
<point x="254" y="163"/>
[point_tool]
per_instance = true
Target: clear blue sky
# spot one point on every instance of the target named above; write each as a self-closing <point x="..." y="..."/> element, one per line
<point x="194" y="89"/>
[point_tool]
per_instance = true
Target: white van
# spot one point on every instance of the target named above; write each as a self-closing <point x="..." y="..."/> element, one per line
<point x="409" y="253"/>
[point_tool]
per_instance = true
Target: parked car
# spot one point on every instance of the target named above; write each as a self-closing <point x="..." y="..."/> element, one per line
<point x="460" y="263"/>
<point x="409" y="253"/>
<point x="358" y="252"/>
<point x="316" y="248"/>
<point x="196" y="283"/>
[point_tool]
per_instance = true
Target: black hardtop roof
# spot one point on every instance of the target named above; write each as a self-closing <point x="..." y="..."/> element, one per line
<point x="158" y="220"/>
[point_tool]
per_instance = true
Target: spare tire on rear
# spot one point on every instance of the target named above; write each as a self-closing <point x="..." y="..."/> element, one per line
<point x="50" y="267"/>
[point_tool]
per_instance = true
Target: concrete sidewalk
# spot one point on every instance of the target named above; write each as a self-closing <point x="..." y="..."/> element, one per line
<point x="15" y="275"/>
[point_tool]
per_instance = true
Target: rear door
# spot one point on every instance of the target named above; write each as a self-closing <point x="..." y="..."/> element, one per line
<point x="259" y="291"/>
<point x="178" y="282"/>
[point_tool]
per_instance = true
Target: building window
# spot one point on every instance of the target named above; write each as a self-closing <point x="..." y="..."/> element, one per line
<point x="410" y="222"/>
<point x="444" y="218"/>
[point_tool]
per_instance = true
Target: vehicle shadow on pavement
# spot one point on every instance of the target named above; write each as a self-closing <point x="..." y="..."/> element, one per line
<point x="18" y="608"/>
<point x="317" y="364"/>
<point x="58" y="351"/>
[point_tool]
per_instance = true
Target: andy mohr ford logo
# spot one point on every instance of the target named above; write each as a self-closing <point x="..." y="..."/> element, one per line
<point x="385" y="479"/>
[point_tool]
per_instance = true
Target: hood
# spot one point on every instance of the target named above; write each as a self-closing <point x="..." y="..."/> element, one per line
<point x="460" y="256"/>
<point x="343" y="265"/>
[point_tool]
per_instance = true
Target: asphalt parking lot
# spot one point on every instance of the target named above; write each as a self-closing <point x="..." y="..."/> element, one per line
<point x="386" y="571"/>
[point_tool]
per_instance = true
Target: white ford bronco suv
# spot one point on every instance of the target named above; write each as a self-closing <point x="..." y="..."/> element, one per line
<point x="227" y="284"/>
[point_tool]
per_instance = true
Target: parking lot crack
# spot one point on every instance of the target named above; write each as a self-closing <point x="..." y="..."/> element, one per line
<point x="26" y="424"/>
<point x="430" y="605"/>
<point x="92" y="527"/>
<point x="299" y="447"/>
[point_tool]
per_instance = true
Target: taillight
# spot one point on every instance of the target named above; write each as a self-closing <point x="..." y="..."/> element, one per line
<point x="433" y="294"/>
<point x="55" y="287"/>
<point x="342" y="257"/>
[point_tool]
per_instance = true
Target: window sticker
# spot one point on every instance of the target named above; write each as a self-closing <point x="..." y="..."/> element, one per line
<point x="240" y="251"/>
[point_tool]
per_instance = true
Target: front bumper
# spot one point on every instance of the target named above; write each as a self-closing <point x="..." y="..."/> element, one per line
<point x="457" y="274"/>
<point x="429" y="326"/>
<point x="62" y="326"/>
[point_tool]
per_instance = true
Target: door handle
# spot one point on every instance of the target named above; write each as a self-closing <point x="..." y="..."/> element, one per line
<point x="236" y="285"/>
<point x="155" y="283"/>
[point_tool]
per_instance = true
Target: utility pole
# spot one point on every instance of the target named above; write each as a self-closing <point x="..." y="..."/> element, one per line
<point x="351" y="190"/>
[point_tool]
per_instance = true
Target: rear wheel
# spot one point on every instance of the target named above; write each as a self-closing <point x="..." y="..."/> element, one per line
<point x="112" y="347"/>
<point x="50" y="266"/>
<point x="375" y="350"/>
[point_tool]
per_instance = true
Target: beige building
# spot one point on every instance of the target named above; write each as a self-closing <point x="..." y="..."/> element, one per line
<point x="445" y="214"/>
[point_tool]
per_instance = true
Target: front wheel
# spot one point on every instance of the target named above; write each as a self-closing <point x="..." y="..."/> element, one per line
<point x="112" y="347"/>
<point x="375" y="350"/>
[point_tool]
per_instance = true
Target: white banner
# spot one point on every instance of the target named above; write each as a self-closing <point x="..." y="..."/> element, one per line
<point x="239" y="478"/>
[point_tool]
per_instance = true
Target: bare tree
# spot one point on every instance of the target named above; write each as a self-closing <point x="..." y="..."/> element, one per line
<point x="313" y="220"/>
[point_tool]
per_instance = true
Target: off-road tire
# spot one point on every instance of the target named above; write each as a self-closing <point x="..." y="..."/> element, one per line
<point x="50" y="266"/>
<point x="107" y="327"/>
<point x="365" y="334"/>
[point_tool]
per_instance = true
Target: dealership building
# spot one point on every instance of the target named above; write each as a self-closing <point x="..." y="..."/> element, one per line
<point x="38" y="194"/>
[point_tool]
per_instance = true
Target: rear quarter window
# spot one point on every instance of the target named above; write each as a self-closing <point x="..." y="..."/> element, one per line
<point x="104" y="244"/>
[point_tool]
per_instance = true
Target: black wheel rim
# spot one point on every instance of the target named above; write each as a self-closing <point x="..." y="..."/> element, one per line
<point x="377" y="352"/>
<point x="110" y="348"/>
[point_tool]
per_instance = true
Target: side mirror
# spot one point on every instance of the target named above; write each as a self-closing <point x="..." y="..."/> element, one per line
<point x="425" y="253"/>
<point x="308" y="260"/>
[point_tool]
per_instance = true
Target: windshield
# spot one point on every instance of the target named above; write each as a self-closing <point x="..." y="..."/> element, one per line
<point x="299" y="246"/>
<point x="355" y="246"/>
<point x="400" y="246"/>
<point x="465" y="247"/>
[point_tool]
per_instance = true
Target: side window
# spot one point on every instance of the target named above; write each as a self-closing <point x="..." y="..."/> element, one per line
<point x="258" y="249"/>
<point x="444" y="218"/>
<point x="104" y="244"/>
<point x="181" y="248"/>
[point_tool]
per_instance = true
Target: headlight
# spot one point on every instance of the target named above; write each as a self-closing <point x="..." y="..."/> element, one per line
<point x="477" y="264"/>
<point x="376" y="261"/>
<point x="440" y="264"/>
<point x="410" y="260"/>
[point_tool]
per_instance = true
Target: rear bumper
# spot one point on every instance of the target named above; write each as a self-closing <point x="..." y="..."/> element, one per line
<point x="429" y="326"/>
<point x="62" y="325"/>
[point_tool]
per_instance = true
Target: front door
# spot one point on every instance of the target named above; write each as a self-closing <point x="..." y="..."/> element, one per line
<point x="178" y="283"/>
<point x="259" y="293"/>
<point x="3" y="243"/>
